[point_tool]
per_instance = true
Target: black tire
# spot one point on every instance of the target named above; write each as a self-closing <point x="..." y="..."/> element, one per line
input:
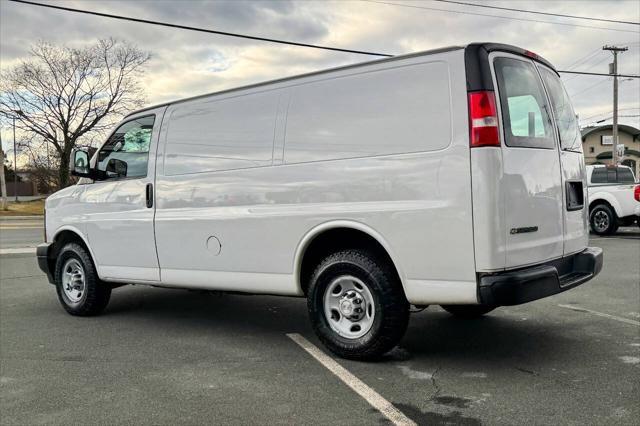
<point x="95" y="294"/>
<point x="389" y="306"/>
<point x="468" y="311"/>
<point x="603" y="220"/>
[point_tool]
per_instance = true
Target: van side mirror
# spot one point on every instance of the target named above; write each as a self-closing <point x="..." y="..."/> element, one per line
<point x="116" y="168"/>
<point x="80" y="163"/>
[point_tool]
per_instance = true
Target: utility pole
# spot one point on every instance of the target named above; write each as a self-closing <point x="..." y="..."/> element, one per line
<point x="15" y="162"/>
<point x="613" y="70"/>
<point x="3" y="184"/>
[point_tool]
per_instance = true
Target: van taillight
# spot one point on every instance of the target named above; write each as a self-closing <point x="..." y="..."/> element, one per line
<point x="483" y="119"/>
<point x="636" y="192"/>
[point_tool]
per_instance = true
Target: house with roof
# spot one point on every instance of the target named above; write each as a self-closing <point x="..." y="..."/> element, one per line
<point x="597" y="144"/>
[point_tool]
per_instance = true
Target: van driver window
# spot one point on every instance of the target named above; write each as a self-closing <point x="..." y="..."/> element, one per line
<point x="525" y="111"/>
<point x="126" y="153"/>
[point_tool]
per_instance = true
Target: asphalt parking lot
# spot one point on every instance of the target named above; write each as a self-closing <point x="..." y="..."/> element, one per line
<point x="160" y="356"/>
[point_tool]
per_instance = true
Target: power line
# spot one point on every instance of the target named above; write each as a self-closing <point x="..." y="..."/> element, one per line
<point x="498" y="16"/>
<point x="607" y="112"/>
<point x="588" y="68"/>
<point x="585" y="58"/>
<point x="573" y="95"/>
<point x="589" y="18"/>
<point x="598" y="73"/>
<point x="574" y="76"/>
<point x="595" y="64"/>
<point x="250" y="37"/>
<point x="624" y="116"/>
<point x="591" y="123"/>
<point x="202" y="30"/>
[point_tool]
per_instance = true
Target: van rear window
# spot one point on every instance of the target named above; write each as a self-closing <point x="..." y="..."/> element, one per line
<point x="565" y="117"/>
<point x="525" y="113"/>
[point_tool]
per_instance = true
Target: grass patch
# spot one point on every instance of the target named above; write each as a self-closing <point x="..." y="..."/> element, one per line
<point x="24" y="208"/>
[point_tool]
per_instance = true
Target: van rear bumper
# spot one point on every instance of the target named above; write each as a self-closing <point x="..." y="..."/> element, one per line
<point x="532" y="283"/>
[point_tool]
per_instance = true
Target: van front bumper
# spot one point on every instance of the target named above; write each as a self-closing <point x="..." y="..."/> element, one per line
<point x="532" y="283"/>
<point x="42" y="254"/>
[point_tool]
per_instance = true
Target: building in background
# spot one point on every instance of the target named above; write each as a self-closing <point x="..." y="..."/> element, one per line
<point x="597" y="143"/>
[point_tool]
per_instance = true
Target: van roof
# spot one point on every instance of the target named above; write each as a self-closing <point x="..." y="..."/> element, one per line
<point x="485" y="48"/>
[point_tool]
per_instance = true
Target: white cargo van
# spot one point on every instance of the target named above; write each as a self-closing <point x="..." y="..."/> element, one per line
<point x="451" y="177"/>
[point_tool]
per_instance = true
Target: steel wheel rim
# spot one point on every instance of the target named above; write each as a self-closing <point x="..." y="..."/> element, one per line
<point x="73" y="280"/>
<point x="600" y="221"/>
<point x="349" y="307"/>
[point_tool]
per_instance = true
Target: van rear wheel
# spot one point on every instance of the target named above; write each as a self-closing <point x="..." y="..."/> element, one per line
<point x="357" y="306"/>
<point x="468" y="311"/>
<point x="80" y="290"/>
<point x="603" y="220"/>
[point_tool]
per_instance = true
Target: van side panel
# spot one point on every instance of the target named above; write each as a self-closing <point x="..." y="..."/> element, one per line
<point x="209" y="135"/>
<point x="395" y="110"/>
<point x="413" y="190"/>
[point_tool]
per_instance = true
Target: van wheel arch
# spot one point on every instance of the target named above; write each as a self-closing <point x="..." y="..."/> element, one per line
<point x="61" y="239"/>
<point x="337" y="239"/>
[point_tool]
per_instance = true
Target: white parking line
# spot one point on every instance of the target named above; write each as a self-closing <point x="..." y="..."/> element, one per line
<point x="371" y="396"/>
<point x="20" y="250"/>
<point x="600" y="314"/>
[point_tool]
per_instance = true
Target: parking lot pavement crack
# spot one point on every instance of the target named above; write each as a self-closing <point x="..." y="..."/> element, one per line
<point x="527" y="371"/>
<point x="434" y="383"/>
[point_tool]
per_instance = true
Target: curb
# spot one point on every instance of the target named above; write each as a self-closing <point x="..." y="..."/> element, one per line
<point x="32" y="217"/>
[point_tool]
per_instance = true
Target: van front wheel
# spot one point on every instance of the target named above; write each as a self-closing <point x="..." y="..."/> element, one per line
<point x="468" y="311"/>
<point x="79" y="288"/>
<point x="356" y="305"/>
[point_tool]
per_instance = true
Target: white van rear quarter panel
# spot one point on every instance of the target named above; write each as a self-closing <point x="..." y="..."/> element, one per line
<point x="419" y="203"/>
<point x="488" y="208"/>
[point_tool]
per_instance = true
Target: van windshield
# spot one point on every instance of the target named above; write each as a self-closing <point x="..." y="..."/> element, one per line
<point x="525" y="113"/>
<point x="565" y="117"/>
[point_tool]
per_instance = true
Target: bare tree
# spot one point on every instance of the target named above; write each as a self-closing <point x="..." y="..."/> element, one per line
<point x="65" y="94"/>
<point x="41" y="167"/>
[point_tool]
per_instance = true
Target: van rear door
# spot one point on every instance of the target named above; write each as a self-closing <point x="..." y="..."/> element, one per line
<point x="532" y="181"/>
<point x="574" y="181"/>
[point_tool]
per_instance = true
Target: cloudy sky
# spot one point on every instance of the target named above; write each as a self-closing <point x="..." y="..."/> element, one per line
<point x="187" y="63"/>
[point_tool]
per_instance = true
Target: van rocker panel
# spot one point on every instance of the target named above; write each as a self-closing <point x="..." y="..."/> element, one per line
<point x="532" y="283"/>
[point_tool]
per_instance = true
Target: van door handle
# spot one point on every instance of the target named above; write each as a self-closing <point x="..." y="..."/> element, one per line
<point x="149" y="195"/>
